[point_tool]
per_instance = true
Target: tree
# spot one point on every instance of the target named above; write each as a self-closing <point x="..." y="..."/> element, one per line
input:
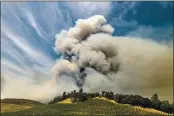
<point x="145" y="102"/>
<point x="81" y="90"/>
<point x="165" y="106"/>
<point x="155" y="101"/>
<point x="154" y="97"/>
<point x="156" y="104"/>
<point x="103" y="93"/>
<point x="171" y="108"/>
<point x="64" y="96"/>
<point x="64" y="93"/>
<point x="124" y="99"/>
<point x="74" y="91"/>
<point x="82" y="97"/>
<point x="74" y="99"/>
<point x="117" y="98"/>
<point x="96" y="94"/>
<point x="111" y="95"/>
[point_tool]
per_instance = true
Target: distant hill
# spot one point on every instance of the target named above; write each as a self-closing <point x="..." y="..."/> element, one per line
<point x="13" y="105"/>
<point x="20" y="101"/>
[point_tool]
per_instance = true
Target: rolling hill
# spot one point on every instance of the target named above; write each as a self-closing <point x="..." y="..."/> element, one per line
<point x="20" y="101"/>
<point x="13" y="105"/>
<point x="96" y="106"/>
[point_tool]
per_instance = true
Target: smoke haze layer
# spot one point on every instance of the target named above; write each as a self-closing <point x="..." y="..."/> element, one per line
<point x="120" y="64"/>
<point x="93" y="59"/>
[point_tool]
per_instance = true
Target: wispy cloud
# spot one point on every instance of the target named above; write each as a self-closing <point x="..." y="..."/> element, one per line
<point x="165" y="4"/>
<point x="87" y="9"/>
<point x="28" y="32"/>
<point x="121" y="10"/>
<point x="28" y="29"/>
<point x="24" y="45"/>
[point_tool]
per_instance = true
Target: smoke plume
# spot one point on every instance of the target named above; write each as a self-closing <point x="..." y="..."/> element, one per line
<point x="93" y="59"/>
<point x="98" y="61"/>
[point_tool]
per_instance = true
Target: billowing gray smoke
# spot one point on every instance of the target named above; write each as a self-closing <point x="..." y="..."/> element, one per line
<point x="98" y="61"/>
<point x="94" y="59"/>
<point x="80" y="53"/>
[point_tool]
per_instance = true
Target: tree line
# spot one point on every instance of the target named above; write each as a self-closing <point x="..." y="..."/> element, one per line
<point x="134" y="100"/>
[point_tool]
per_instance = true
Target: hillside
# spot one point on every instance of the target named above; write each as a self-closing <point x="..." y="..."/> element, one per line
<point x="20" y="101"/>
<point x="66" y="101"/>
<point x="97" y="106"/>
<point x="87" y="104"/>
<point x="133" y="100"/>
<point x="13" y="105"/>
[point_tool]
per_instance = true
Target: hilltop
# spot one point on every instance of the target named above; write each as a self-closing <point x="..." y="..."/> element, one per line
<point x="13" y="105"/>
<point x="133" y="100"/>
<point x="90" y="107"/>
<point x="20" y="101"/>
<point x="86" y="104"/>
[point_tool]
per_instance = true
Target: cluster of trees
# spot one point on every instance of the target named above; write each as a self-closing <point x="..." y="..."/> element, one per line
<point x="134" y="100"/>
<point x="137" y="100"/>
<point x="74" y="96"/>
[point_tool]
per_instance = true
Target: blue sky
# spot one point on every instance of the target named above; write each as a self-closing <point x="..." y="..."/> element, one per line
<point x="28" y="29"/>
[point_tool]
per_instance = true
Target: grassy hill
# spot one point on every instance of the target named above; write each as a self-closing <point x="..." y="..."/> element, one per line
<point x="20" y="101"/>
<point x="97" y="106"/>
<point x="13" y="105"/>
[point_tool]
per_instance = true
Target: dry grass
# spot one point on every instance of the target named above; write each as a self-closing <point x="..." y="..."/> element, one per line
<point x="66" y="101"/>
<point x="13" y="107"/>
<point x="151" y="110"/>
<point x="138" y="108"/>
<point x="103" y="98"/>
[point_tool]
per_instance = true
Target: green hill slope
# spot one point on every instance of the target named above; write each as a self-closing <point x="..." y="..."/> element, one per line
<point x="91" y="107"/>
<point x="13" y="105"/>
<point x="20" y="101"/>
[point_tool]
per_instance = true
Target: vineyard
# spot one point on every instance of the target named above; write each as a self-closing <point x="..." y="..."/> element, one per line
<point x="96" y="107"/>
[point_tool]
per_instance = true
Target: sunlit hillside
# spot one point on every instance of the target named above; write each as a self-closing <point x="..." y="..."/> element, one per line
<point x="97" y="106"/>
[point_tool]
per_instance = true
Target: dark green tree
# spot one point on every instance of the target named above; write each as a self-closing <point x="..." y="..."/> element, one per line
<point x="81" y="90"/>
<point x="74" y="92"/>
<point x="172" y="108"/>
<point x="154" y="97"/>
<point x="145" y="102"/>
<point x="155" y="101"/>
<point x="165" y="106"/>
<point x="103" y="93"/>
